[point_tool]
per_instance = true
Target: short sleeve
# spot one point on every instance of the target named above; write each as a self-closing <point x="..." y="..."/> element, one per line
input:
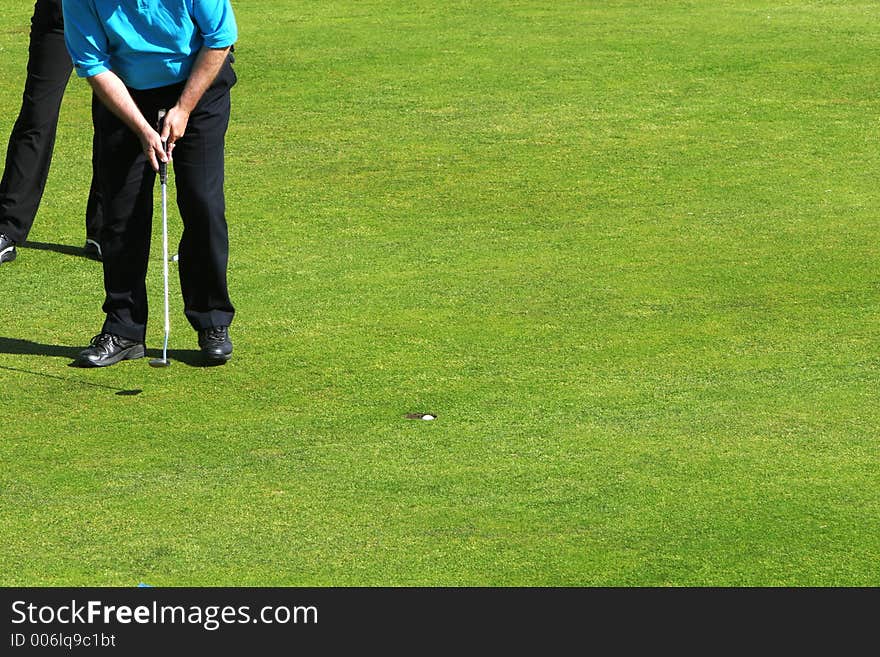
<point x="216" y="21"/>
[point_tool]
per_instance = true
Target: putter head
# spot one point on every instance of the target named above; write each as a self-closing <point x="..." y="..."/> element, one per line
<point x="160" y="362"/>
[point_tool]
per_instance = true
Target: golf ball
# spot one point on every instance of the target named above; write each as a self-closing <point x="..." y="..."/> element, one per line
<point x="427" y="416"/>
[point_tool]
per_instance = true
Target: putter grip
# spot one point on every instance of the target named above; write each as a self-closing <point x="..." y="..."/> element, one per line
<point x="163" y="166"/>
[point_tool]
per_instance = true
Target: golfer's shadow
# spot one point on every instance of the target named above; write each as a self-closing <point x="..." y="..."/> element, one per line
<point x="30" y="348"/>
<point x="191" y="357"/>
<point x="57" y="248"/>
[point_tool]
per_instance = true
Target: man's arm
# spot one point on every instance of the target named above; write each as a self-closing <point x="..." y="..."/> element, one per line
<point x="208" y="64"/>
<point x="111" y="90"/>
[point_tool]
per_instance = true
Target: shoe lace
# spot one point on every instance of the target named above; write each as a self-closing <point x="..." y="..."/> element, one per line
<point x="101" y="340"/>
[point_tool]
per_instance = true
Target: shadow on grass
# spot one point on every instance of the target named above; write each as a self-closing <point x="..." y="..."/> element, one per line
<point x="191" y="357"/>
<point x="57" y="248"/>
<point x="121" y="392"/>
<point x="30" y="348"/>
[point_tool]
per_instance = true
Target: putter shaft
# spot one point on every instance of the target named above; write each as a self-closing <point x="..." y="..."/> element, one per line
<point x="165" y="266"/>
<point x="163" y="179"/>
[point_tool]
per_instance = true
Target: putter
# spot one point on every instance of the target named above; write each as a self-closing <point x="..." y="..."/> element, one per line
<point x="163" y="179"/>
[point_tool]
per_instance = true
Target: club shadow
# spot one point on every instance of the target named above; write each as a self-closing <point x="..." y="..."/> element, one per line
<point x="30" y="348"/>
<point x="65" y="249"/>
<point x="121" y="392"/>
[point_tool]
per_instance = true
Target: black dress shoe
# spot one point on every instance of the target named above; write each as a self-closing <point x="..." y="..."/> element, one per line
<point x="108" y="349"/>
<point x="215" y="344"/>
<point x="7" y="249"/>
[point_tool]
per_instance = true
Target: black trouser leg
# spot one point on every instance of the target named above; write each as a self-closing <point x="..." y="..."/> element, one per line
<point x="126" y="186"/>
<point x="29" y="152"/>
<point x="204" y="245"/>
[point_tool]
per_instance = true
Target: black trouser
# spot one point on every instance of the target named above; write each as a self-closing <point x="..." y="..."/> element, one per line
<point x="127" y="186"/>
<point x="32" y="141"/>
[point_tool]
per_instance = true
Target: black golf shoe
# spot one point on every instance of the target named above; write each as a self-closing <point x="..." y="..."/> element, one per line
<point x="108" y="349"/>
<point x="7" y="249"/>
<point x="215" y="344"/>
<point x="93" y="250"/>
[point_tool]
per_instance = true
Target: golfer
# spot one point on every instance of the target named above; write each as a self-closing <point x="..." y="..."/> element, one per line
<point x="141" y="57"/>
<point x="30" y="146"/>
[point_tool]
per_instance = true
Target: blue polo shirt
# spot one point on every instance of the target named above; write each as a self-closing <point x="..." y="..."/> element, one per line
<point x="147" y="43"/>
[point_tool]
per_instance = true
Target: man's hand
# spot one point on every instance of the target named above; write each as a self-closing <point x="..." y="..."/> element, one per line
<point x="174" y="126"/>
<point x="151" y="143"/>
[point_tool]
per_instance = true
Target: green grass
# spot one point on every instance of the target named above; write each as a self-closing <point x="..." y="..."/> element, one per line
<point x="626" y="251"/>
